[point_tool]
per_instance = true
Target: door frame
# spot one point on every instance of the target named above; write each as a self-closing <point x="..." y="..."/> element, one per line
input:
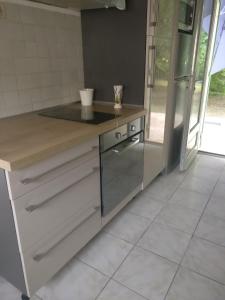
<point x="187" y="158"/>
<point x="196" y="131"/>
<point x="207" y="79"/>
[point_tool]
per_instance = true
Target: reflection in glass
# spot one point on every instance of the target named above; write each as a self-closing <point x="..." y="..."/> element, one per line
<point x="159" y="92"/>
<point x="122" y="171"/>
<point x="201" y="62"/>
<point x="196" y="104"/>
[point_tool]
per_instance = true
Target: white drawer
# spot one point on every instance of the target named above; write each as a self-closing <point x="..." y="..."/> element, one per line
<point x="44" y="261"/>
<point x="44" y="210"/>
<point x="23" y="181"/>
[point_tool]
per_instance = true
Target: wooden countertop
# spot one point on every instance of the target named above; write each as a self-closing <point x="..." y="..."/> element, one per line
<point x="29" y="138"/>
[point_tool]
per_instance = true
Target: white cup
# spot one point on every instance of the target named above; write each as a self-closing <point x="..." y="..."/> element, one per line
<point x="86" y="96"/>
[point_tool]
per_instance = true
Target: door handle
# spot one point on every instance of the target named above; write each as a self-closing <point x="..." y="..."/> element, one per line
<point x="42" y="254"/>
<point x="30" y="180"/>
<point x="135" y="141"/>
<point x="34" y="207"/>
<point x="151" y="66"/>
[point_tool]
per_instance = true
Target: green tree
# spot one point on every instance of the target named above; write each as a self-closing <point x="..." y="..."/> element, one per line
<point x="202" y="52"/>
<point x="217" y="86"/>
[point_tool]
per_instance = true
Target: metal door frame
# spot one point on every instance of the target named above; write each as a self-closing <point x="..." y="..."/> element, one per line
<point x="207" y="78"/>
<point x="187" y="158"/>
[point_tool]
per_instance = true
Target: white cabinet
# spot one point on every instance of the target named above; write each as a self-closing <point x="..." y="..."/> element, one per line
<point x="57" y="210"/>
<point x="23" y="181"/>
<point x="44" y="260"/>
<point x="43" y="210"/>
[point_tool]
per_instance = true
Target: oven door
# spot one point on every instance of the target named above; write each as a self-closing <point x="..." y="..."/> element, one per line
<point x="121" y="171"/>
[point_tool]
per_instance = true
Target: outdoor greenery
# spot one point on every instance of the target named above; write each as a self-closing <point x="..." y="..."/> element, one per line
<point x="202" y="52"/>
<point x="217" y="86"/>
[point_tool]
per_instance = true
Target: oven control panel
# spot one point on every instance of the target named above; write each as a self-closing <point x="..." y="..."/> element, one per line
<point x="120" y="134"/>
<point x="135" y="126"/>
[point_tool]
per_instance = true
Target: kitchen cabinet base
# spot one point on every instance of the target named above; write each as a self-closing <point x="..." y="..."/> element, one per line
<point x="24" y="297"/>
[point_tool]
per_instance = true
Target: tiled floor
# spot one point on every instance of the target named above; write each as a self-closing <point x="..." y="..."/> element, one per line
<point x="168" y="244"/>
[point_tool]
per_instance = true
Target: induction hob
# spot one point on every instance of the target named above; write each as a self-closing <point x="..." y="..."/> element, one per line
<point x="83" y="115"/>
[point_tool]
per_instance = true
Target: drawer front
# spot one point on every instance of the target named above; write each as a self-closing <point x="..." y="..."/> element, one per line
<point x="23" y="181"/>
<point x="45" y="209"/>
<point x="45" y="260"/>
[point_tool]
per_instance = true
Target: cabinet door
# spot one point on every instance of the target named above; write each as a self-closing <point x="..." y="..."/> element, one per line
<point x="161" y="17"/>
<point x="156" y="95"/>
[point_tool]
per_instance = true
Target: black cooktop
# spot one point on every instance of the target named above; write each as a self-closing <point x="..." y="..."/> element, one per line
<point x="83" y="115"/>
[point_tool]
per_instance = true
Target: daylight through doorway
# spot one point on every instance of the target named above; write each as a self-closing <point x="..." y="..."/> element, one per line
<point x="213" y="137"/>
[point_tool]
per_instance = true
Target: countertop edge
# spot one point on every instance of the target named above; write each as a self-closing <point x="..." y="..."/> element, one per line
<point x="55" y="149"/>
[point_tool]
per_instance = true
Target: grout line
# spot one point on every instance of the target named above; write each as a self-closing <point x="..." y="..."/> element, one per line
<point x="172" y="282"/>
<point x="111" y="277"/>
<point x="153" y="220"/>
<point x="163" y="257"/>
<point x="207" y="240"/>
<point x="192" y="236"/>
<point x="204" y="276"/>
<point x="179" y="265"/>
<point x="92" y="267"/>
<point x="129" y="290"/>
<point x="188" y="246"/>
<point x="107" y="282"/>
<point x="133" y="246"/>
<point x="136" y="244"/>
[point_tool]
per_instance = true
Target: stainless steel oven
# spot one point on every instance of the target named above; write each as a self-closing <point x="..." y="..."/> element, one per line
<point x="187" y="15"/>
<point x="122" y="153"/>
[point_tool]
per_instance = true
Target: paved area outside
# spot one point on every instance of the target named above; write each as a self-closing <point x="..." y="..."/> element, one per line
<point x="167" y="244"/>
<point x="213" y="140"/>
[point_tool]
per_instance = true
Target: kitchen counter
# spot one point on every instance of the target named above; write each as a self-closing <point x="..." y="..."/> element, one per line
<point x="29" y="138"/>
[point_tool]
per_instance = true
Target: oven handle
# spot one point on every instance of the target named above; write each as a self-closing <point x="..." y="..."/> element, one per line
<point x="135" y="141"/>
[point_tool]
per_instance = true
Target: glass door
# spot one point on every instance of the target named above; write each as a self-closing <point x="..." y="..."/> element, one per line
<point x="204" y="35"/>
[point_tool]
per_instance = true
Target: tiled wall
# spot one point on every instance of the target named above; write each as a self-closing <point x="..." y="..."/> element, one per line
<point x="41" y="60"/>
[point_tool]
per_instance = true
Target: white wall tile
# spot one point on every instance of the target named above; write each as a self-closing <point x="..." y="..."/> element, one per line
<point x="10" y="99"/>
<point x="7" y="66"/>
<point x="29" y="32"/>
<point x="41" y="63"/>
<point x="6" y="50"/>
<point x="8" y="83"/>
<point x="12" y="12"/>
<point x="18" y="48"/>
<point x="27" y="15"/>
<point x="31" y="49"/>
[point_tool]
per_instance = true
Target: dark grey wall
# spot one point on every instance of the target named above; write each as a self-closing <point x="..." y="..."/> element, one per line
<point x="114" y="51"/>
<point x="10" y="262"/>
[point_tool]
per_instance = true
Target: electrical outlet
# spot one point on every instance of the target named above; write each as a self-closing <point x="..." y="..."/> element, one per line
<point x="2" y="11"/>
